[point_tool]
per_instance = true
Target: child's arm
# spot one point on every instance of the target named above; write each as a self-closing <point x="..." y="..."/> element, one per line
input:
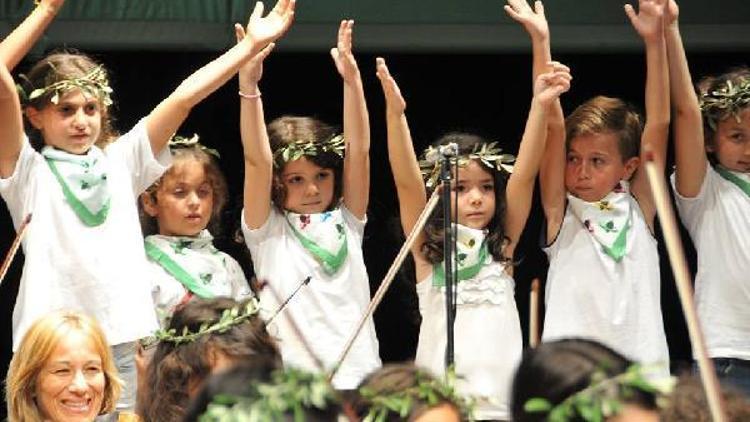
<point x="167" y="117"/>
<point x="412" y="195"/>
<point x="257" y="151"/>
<point x="547" y="88"/>
<point x="15" y="46"/>
<point x="649" y="23"/>
<point x="11" y="129"/>
<point x="690" y="153"/>
<point x="356" y="180"/>
<point x="552" y="170"/>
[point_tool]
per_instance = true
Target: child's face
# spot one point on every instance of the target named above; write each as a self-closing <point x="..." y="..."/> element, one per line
<point x="184" y="200"/>
<point x="72" y="125"/>
<point x="731" y="143"/>
<point x="309" y="187"/>
<point x="594" y="166"/>
<point x="475" y="188"/>
<point x="443" y="413"/>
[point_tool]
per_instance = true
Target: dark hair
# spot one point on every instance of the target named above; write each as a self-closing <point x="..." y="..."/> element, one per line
<point x="175" y="366"/>
<point x="432" y="247"/>
<point x="607" y="115"/>
<point x="213" y="174"/>
<point x="710" y="84"/>
<point x="394" y="379"/>
<point x="556" y="370"/>
<point x="57" y="67"/>
<point x="286" y="130"/>
<point x="688" y="403"/>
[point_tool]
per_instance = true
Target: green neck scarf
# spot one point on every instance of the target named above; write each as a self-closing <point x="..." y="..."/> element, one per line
<point x="323" y="236"/>
<point x="471" y="255"/>
<point x="741" y="180"/>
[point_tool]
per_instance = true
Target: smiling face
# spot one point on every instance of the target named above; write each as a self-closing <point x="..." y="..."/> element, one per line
<point x="731" y="142"/>
<point x="72" y="125"/>
<point x="70" y="386"/>
<point x="475" y="188"/>
<point x="309" y="187"/>
<point x="594" y="166"/>
<point x="183" y="203"/>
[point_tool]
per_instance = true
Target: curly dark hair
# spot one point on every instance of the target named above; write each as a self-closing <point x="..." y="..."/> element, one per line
<point x="175" y="367"/>
<point x="713" y="115"/>
<point x="432" y="248"/>
<point x="56" y="67"/>
<point x="290" y="129"/>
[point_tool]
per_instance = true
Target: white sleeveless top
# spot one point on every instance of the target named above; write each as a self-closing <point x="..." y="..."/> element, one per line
<point x="590" y="295"/>
<point x="488" y="340"/>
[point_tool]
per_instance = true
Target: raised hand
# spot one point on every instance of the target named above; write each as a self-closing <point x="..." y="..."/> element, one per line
<point x="342" y="53"/>
<point x="263" y="30"/>
<point x="671" y="12"/>
<point x="549" y="86"/>
<point x="649" y="21"/>
<point x="533" y="20"/>
<point x="394" y="101"/>
<point x="251" y="72"/>
<point x="54" y="5"/>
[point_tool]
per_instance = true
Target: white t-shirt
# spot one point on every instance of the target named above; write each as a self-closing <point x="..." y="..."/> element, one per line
<point x="590" y="295"/>
<point x="487" y="337"/>
<point x="101" y="270"/>
<point x="718" y="220"/>
<point x="168" y="292"/>
<point x="327" y="310"/>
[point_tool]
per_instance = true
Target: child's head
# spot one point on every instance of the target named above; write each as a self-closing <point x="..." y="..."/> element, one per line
<point x="396" y="385"/>
<point x="556" y="371"/>
<point x="189" y="196"/>
<point x="688" y="403"/>
<point x="67" y="99"/>
<point x="725" y="103"/>
<point x="480" y="187"/>
<point x="308" y="164"/>
<point x="180" y="365"/>
<point x="602" y="143"/>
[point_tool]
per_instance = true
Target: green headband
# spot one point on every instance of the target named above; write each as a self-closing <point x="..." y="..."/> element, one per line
<point x="94" y="83"/>
<point x="229" y="318"/>
<point x="179" y="142"/>
<point x="296" y="150"/>
<point x="488" y="154"/>
<point x="730" y="98"/>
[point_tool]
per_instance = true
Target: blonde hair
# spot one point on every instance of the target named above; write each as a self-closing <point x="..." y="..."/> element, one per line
<point x="37" y="347"/>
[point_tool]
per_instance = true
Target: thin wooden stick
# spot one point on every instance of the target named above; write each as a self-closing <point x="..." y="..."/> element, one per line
<point x="14" y="247"/>
<point x="388" y="279"/>
<point x="534" y="314"/>
<point x="684" y="287"/>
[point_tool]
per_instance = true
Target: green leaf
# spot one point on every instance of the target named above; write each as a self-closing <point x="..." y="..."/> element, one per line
<point x="536" y="405"/>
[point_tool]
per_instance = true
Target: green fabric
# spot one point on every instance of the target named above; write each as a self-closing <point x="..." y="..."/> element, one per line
<point x="173" y="268"/>
<point x="738" y="181"/>
<point x="330" y="262"/>
<point x="465" y="273"/>
<point x="87" y="217"/>
<point x="617" y="250"/>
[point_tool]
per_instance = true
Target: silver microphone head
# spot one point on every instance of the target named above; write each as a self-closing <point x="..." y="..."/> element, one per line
<point x="448" y="150"/>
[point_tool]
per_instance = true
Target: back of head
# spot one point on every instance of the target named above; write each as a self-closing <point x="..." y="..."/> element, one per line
<point x="721" y="97"/>
<point x="601" y="115"/>
<point x="60" y="72"/>
<point x="36" y="348"/>
<point x="287" y="131"/>
<point x="557" y="370"/>
<point x="182" y="363"/>
<point x="688" y="403"/>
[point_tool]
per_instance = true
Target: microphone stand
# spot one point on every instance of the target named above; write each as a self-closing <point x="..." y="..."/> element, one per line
<point x="447" y="152"/>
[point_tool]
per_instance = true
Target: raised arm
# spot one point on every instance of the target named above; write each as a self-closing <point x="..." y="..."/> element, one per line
<point x="11" y="129"/>
<point x="16" y="45"/>
<point x="649" y="23"/>
<point x="412" y="195"/>
<point x="356" y="189"/>
<point x="552" y="169"/>
<point x="167" y="117"/>
<point x="257" y="151"/>
<point x="690" y="152"/>
<point x="547" y="88"/>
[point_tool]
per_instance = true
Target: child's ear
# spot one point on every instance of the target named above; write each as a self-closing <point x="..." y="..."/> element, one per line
<point x="34" y="117"/>
<point x="631" y="165"/>
<point x="148" y="201"/>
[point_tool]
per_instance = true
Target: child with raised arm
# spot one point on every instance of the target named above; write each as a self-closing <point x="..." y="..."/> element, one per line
<point x="306" y="193"/>
<point x="713" y="200"/>
<point x="84" y="248"/>
<point x="603" y="281"/>
<point x="488" y="338"/>
<point x="179" y="212"/>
